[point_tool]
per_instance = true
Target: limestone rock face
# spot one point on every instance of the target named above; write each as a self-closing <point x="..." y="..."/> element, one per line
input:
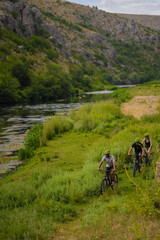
<point x="25" y="20"/>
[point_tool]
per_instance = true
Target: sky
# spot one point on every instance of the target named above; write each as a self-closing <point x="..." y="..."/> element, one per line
<point x="143" y="7"/>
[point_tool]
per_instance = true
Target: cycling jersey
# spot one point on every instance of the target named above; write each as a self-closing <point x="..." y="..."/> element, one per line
<point x="137" y="147"/>
<point x="147" y="143"/>
<point x="109" y="160"/>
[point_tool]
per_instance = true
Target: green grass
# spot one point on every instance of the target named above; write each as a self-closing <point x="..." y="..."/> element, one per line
<point x="57" y="193"/>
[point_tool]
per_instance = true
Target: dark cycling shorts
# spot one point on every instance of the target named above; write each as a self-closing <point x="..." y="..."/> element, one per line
<point x="109" y="168"/>
<point x="146" y="147"/>
<point x="137" y="155"/>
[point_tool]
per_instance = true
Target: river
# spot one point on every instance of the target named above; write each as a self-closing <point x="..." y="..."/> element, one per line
<point x="16" y="120"/>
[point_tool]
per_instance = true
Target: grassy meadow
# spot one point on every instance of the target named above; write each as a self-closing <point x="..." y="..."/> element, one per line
<point x="56" y="194"/>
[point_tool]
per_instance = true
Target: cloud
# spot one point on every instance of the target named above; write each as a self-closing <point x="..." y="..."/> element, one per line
<point x="150" y="7"/>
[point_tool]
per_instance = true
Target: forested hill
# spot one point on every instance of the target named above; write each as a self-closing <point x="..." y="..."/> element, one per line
<point x="54" y="49"/>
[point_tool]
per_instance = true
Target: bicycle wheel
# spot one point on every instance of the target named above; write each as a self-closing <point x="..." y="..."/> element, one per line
<point x="146" y="160"/>
<point x="134" y="168"/>
<point x="104" y="186"/>
<point x="139" y="168"/>
<point x="115" y="182"/>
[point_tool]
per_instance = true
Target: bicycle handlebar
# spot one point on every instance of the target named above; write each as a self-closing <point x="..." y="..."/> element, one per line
<point x="107" y="171"/>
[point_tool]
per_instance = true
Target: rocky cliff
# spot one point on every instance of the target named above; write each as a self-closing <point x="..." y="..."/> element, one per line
<point x="88" y="43"/>
<point x="24" y="20"/>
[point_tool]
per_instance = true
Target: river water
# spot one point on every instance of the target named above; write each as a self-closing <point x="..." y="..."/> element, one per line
<point x="15" y="121"/>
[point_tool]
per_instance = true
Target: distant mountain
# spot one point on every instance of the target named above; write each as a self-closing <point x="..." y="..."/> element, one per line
<point x="88" y="47"/>
<point x="150" y="21"/>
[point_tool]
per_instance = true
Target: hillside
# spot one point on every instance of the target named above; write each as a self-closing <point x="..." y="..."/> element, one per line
<point x="83" y="48"/>
<point x="150" y="21"/>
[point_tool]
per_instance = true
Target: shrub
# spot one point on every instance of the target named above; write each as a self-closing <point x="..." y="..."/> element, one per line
<point x="8" y="89"/>
<point x="32" y="141"/>
<point x="14" y="14"/>
<point x="52" y="54"/>
<point x="20" y="70"/>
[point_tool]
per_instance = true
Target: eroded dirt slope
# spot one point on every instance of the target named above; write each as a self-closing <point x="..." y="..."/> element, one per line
<point x="141" y="105"/>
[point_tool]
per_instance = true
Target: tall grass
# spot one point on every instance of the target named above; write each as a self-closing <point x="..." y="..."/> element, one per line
<point x="30" y="208"/>
<point x="32" y="141"/>
<point x="55" y="125"/>
<point x="39" y="134"/>
<point x="100" y="117"/>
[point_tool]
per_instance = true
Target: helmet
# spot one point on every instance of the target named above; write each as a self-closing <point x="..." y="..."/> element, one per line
<point x="146" y="134"/>
<point x="137" y="140"/>
<point x="107" y="152"/>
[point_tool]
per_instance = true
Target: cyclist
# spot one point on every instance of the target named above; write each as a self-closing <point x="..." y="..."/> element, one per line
<point x="148" y="144"/>
<point x="139" y="150"/>
<point x="110" y="163"/>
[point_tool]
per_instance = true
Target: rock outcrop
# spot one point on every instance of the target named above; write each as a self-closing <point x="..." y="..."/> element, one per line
<point x="26" y="20"/>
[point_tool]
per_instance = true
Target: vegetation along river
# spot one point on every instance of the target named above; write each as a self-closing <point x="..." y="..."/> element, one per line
<point x="16" y="120"/>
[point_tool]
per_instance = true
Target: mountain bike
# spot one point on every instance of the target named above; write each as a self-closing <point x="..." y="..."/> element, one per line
<point x="107" y="181"/>
<point x="147" y="160"/>
<point x="136" y="164"/>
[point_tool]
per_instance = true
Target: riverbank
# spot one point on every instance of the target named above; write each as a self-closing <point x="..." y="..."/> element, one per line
<point x="56" y="194"/>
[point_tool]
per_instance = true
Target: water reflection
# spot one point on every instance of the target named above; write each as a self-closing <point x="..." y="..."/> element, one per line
<point x="15" y="121"/>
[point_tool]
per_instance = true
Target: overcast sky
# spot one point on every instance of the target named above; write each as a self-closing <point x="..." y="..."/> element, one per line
<point x="145" y="7"/>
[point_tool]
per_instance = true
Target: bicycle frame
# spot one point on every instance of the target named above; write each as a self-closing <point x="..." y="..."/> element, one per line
<point x="107" y="181"/>
<point x="136" y="164"/>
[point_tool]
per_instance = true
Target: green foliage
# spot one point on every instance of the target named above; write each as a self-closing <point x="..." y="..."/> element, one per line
<point x="53" y="126"/>
<point x="14" y="14"/>
<point x="147" y="201"/>
<point x="23" y="27"/>
<point x="32" y="141"/>
<point x="37" y="42"/>
<point x="25" y="225"/>
<point x="20" y="71"/>
<point x="133" y="59"/>
<point x="8" y="89"/>
<point x="53" y="194"/>
<point x="50" y="84"/>
<point x="101" y="57"/>
<point x="101" y="117"/>
<point x="16" y="196"/>
<point x="62" y="21"/>
<point x="52" y="54"/>
<point x="121" y="95"/>
<point x="14" y="1"/>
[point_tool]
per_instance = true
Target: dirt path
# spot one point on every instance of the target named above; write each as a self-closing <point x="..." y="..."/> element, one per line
<point x="141" y="105"/>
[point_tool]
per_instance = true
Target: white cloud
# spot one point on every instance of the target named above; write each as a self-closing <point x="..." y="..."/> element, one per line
<point x="151" y="7"/>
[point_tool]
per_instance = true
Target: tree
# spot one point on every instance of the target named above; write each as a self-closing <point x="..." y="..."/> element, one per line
<point x="20" y="71"/>
<point x="8" y="89"/>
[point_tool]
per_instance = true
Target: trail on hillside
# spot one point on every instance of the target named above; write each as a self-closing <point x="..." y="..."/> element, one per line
<point x="141" y="105"/>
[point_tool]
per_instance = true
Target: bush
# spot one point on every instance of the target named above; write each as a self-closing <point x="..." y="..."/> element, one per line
<point x="8" y="89"/>
<point x="20" y="71"/>
<point x="32" y="141"/>
<point x="52" y="54"/>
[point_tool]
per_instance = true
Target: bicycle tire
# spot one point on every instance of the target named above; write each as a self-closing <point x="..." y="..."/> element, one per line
<point x="146" y="160"/>
<point x="139" y="168"/>
<point x="104" y="186"/>
<point x="114" y="187"/>
<point x="134" y="168"/>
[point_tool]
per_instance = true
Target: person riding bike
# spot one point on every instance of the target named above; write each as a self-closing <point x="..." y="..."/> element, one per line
<point x="110" y="163"/>
<point x="139" y="150"/>
<point x="148" y="144"/>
